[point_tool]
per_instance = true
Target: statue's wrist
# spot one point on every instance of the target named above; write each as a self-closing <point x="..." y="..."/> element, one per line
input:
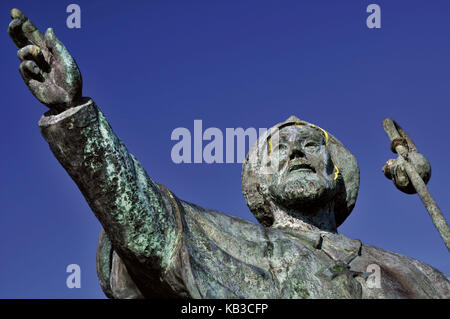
<point x="78" y="101"/>
<point x="53" y="115"/>
<point x="61" y="108"/>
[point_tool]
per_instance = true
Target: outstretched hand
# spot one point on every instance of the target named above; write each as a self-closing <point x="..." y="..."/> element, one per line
<point x="48" y="69"/>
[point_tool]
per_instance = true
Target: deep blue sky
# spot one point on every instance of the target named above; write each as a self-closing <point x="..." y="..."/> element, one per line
<point x="152" y="66"/>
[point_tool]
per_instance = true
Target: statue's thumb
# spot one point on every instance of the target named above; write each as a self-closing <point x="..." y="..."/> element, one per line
<point x="63" y="57"/>
<point x="55" y="46"/>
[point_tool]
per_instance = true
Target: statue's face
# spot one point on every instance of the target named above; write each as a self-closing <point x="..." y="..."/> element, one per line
<point x="304" y="174"/>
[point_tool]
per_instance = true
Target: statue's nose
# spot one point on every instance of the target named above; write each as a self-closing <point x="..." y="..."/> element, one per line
<point x="296" y="153"/>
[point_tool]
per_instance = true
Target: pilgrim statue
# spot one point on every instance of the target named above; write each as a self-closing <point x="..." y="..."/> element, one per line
<point x="299" y="181"/>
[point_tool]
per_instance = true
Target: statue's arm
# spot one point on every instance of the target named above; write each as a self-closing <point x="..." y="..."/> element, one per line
<point x="137" y="217"/>
<point x="129" y="205"/>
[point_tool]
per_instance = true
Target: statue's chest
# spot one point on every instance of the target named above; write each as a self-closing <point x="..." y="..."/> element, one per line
<point x="304" y="268"/>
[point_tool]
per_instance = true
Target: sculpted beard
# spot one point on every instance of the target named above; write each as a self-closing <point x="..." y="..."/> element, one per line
<point x="303" y="191"/>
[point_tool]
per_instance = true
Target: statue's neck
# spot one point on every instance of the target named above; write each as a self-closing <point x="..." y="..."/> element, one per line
<point x="320" y="219"/>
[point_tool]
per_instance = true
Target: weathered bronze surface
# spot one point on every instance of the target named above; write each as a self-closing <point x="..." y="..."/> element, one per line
<point x="299" y="181"/>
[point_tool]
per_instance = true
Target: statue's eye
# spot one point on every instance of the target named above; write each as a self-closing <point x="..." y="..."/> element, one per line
<point x="312" y="147"/>
<point x="280" y="149"/>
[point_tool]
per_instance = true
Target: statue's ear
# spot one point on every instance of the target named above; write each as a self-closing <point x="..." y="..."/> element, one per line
<point x="348" y="178"/>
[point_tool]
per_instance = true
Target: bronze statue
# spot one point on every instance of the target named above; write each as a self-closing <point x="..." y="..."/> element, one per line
<point x="299" y="181"/>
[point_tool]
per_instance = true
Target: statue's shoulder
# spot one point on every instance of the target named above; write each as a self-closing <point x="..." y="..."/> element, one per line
<point x="403" y="276"/>
<point x="218" y="224"/>
<point x="396" y="260"/>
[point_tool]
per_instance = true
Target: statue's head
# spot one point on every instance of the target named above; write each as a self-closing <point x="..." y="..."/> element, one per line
<point x="299" y="168"/>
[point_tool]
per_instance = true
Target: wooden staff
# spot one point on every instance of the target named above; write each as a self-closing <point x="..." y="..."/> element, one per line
<point x="402" y="145"/>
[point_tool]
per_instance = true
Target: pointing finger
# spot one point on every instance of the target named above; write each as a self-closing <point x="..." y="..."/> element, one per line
<point x="17" y="14"/>
<point x="16" y="34"/>
<point x="29" y="30"/>
<point x="32" y="33"/>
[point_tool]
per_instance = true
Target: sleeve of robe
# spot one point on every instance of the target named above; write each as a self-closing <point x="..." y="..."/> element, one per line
<point x="135" y="213"/>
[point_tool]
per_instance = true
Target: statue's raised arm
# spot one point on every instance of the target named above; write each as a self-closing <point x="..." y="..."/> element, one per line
<point x="133" y="210"/>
